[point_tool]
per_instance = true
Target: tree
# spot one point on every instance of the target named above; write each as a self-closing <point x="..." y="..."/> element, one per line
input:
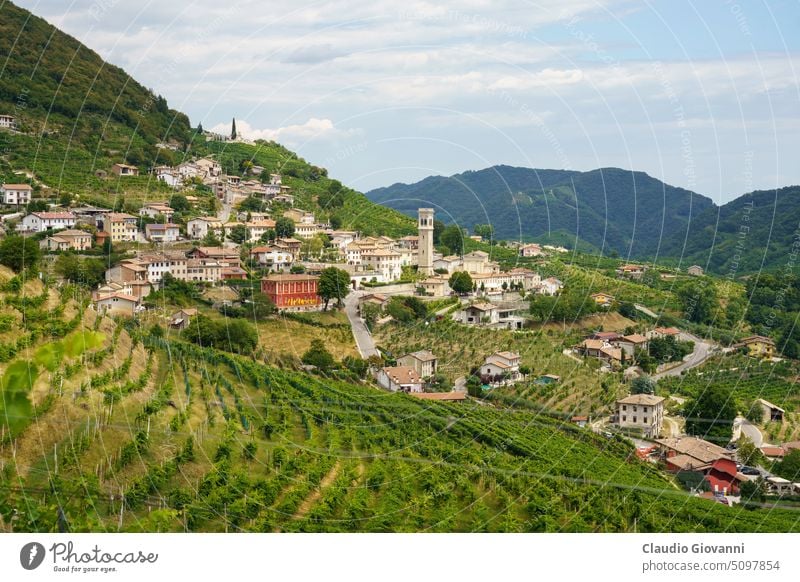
<point x="268" y="236"/>
<point x="643" y="385"/>
<point x="438" y="229"/>
<point x="789" y="467"/>
<point x="474" y="387"/>
<point x="238" y="234"/>
<point x="752" y="491"/>
<point x="699" y="301"/>
<point x="179" y="203"/>
<point x="748" y="452"/>
<point x="486" y="231"/>
<point x="233" y="129"/>
<point x="318" y="356"/>
<point x="711" y="414"/>
<point x="18" y="253"/>
<point x="460" y="282"/>
<point x="260" y="306"/>
<point x="333" y="284"/>
<point x="88" y="272"/>
<point x="284" y="227"/>
<point x="357" y="366"/>
<point x="211" y="240"/>
<point x="453" y="238"/>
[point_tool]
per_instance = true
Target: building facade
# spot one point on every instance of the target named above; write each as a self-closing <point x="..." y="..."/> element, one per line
<point x="292" y="292"/>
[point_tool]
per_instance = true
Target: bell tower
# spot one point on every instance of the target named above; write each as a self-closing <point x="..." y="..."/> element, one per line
<point x="425" y="251"/>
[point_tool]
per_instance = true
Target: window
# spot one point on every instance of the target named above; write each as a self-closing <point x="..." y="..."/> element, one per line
<point x="624" y="407"/>
<point x="634" y="409"/>
<point x="645" y="420"/>
<point x="624" y="418"/>
<point x="634" y="419"/>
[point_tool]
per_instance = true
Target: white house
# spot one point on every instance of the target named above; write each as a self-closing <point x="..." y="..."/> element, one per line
<point x="480" y="313"/>
<point x="550" y="286"/>
<point x="695" y="271"/>
<point x="162" y="232"/>
<point x="501" y="367"/>
<point x="44" y="221"/>
<point x="116" y="304"/>
<point x="16" y="194"/>
<point x="198" y="228"/>
<point x="423" y="361"/>
<point x="125" y="170"/>
<point x="272" y="257"/>
<point x="169" y="176"/>
<point x="155" y="208"/>
<point x="7" y="121"/>
<point x="399" y="379"/>
<point x="531" y="250"/>
<point x="383" y="261"/>
<point x="258" y="228"/>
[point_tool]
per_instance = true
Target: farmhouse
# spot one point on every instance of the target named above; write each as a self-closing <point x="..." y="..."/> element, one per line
<point x="44" y="221"/>
<point x="7" y="121"/>
<point x="690" y="453"/>
<point x="631" y="271"/>
<point x="436" y="286"/>
<point x="181" y="319"/>
<point x="757" y="346"/>
<point x="399" y="379"/>
<point x="162" y="232"/>
<point x="125" y="170"/>
<point x="480" y="313"/>
<point x="771" y="412"/>
<point x="157" y="208"/>
<point x="424" y="362"/>
<point x="501" y="368"/>
<point x="198" y="228"/>
<point x="630" y="343"/>
<point x="644" y="412"/>
<point x="531" y="250"/>
<point x="65" y="240"/>
<point x="115" y="304"/>
<point x="602" y="299"/>
<point x="695" y="270"/>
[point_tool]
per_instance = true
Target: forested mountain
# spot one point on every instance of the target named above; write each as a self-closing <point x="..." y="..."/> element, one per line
<point x="609" y="208"/>
<point x="751" y="233"/>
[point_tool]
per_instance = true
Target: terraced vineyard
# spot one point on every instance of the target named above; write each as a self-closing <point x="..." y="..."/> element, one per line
<point x="461" y="348"/>
<point x="127" y="431"/>
<point x="746" y="378"/>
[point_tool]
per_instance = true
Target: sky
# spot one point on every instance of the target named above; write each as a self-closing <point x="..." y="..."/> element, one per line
<point x="703" y="95"/>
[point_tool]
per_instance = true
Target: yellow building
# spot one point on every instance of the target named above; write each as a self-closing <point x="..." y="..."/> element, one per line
<point x="757" y="346"/>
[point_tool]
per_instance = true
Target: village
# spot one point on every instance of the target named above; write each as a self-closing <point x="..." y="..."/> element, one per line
<point x="286" y="250"/>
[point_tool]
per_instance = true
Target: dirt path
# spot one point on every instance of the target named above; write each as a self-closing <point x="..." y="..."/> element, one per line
<point x="312" y="498"/>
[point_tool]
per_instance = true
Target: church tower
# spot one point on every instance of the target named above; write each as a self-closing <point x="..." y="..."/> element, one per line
<point x="425" y="251"/>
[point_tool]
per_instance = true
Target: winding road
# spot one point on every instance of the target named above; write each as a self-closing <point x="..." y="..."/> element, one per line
<point x="364" y="341"/>
<point x="702" y="349"/>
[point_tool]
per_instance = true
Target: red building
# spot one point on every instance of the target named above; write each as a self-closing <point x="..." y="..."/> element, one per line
<point x="723" y="477"/>
<point x="292" y="291"/>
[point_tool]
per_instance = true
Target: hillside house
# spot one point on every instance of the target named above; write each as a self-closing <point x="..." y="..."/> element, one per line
<point x="115" y="304"/>
<point x="198" y="228"/>
<point x="155" y="209"/>
<point x="530" y="250"/>
<point x="630" y="343"/>
<point x="383" y="261"/>
<point x="424" y="362"/>
<point x="480" y="314"/>
<point x="688" y="453"/>
<point x="723" y="477"/>
<point x="644" y="412"/>
<point x="757" y="346"/>
<point x="436" y="286"/>
<point x="631" y="271"/>
<point x="181" y="319"/>
<point x="120" y="226"/>
<point x="695" y="271"/>
<point x="602" y="299"/>
<point x="44" y="221"/>
<point x="258" y="228"/>
<point x="67" y="240"/>
<point x="7" y="121"/>
<point x="125" y="170"/>
<point x="591" y="347"/>
<point x="550" y="286"/>
<point x="272" y="257"/>
<point x="16" y="194"/>
<point x="501" y="368"/>
<point x="168" y="176"/>
<point x="450" y="263"/>
<point x="663" y="332"/>
<point x="399" y="379"/>
<point x="162" y="233"/>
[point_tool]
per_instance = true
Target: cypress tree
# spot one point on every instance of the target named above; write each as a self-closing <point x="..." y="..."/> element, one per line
<point x="233" y="129"/>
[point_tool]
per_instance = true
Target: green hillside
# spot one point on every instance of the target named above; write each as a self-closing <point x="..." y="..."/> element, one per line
<point x="123" y="430"/>
<point x="607" y="209"/>
<point x="77" y="114"/>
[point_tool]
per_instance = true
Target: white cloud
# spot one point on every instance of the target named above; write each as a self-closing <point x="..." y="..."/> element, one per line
<point x="296" y="134"/>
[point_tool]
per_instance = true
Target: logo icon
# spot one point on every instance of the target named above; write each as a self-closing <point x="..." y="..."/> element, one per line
<point x="31" y="555"/>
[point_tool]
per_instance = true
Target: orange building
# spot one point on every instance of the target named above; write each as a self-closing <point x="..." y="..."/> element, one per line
<point x="293" y="292"/>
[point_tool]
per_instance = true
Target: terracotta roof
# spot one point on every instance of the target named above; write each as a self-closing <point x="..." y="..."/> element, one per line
<point x="686" y="463"/>
<point x="507" y="355"/>
<point x="291" y="277"/>
<point x="580" y="418"/>
<point x="440" y="396"/>
<point x="757" y="338"/>
<point x="770" y="451"/>
<point x="695" y="447"/>
<point x="606" y="335"/>
<point x="118" y="295"/>
<point x="635" y="338"/>
<point x="591" y="344"/>
<point x="643" y="399"/>
<point x="403" y="375"/>
<point x="17" y="186"/>
<point x="790" y="446"/>
<point x="668" y="330"/>
<point x="482" y="306"/>
<point x="53" y="215"/>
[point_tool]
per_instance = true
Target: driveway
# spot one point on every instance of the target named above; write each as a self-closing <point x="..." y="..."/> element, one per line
<point x="364" y="341"/>
<point x="702" y="349"/>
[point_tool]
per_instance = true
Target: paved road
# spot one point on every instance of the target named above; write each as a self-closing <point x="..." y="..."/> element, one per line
<point x="743" y="426"/>
<point x="646" y="311"/>
<point x="702" y="349"/>
<point x="364" y="341"/>
<point x="224" y="212"/>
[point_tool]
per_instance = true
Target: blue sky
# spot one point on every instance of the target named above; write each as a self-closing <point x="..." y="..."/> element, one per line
<point x="703" y="95"/>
